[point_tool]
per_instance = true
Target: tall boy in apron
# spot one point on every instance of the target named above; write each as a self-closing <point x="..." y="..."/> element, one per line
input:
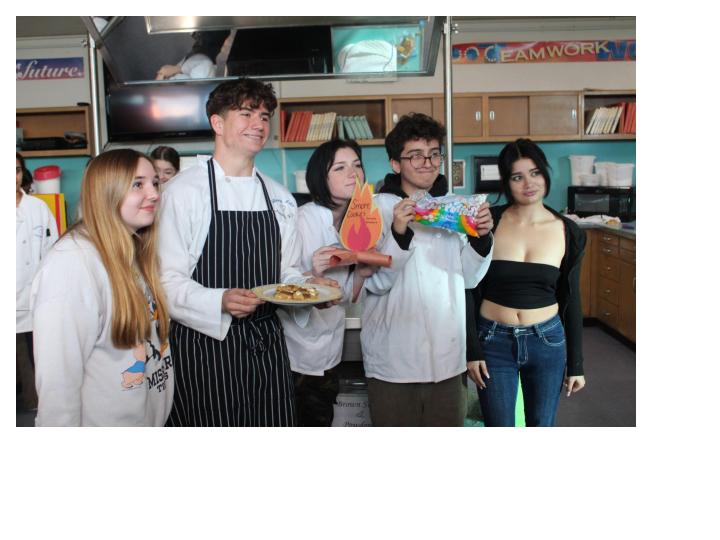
<point x="224" y="229"/>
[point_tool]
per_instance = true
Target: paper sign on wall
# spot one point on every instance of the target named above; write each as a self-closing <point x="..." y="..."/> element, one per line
<point x="49" y="68"/>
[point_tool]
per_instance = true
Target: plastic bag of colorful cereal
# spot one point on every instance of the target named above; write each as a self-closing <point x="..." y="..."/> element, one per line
<point x="453" y="212"/>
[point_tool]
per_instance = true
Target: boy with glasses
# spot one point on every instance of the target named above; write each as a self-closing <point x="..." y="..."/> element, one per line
<point x="413" y="333"/>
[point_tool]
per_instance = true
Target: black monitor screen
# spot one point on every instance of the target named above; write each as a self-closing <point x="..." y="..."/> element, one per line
<point x="156" y="112"/>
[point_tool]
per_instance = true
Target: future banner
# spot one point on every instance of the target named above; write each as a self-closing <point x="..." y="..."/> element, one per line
<point x="49" y="68"/>
<point x="544" y="51"/>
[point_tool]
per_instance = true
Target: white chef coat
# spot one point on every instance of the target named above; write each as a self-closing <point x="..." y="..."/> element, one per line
<point x="79" y="372"/>
<point x="415" y="331"/>
<point x="198" y="66"/>
<point x="184" y="222"/>
<point x="318" y="346"/>
<point x="35" y="233"/>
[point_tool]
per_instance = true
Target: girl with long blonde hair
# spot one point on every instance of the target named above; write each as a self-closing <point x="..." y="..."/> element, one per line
<point x="100" y="318"/>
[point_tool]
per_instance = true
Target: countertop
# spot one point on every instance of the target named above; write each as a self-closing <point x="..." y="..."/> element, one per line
<point x="617" y="229"/>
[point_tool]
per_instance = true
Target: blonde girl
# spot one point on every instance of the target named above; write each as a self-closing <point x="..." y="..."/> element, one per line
<point x="100" y="319"/>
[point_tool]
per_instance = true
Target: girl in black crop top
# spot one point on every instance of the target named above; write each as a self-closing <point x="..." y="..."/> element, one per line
<point x="525" y="317"/>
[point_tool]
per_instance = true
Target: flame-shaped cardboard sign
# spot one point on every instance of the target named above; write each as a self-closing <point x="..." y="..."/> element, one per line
<point x="362" y="227"/>
<point x="360" y="231"/>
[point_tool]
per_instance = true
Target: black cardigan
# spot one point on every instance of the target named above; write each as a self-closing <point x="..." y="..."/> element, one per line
<point x="567" y="294"/>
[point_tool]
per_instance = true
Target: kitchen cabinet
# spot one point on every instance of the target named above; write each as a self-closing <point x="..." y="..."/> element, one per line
<point x="508" y="117"/>
<point x="468" y="118"/>
<point x="555" y="115"/>
<point x="429" y="104"/>
<point x="593" y="99"/>
<point x="373" y="108"/>
<point x="54" y="122"/>
<point x="614" y="282"/>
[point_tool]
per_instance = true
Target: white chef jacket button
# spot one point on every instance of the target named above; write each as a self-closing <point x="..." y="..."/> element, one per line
<point x="314" y="335"/>
<point x="424" y="307"/>
<point x="24" y="241"/>
<point x="330" y="228"/>
<point x="227" y="179"/>
<point x="27" y="263"/>
<point x="452" y="339"/>
<point x="444" y="270"/>
<point x="447" y="304"/>
<point x="257" y="181"/>
<point x="438" y="235"/>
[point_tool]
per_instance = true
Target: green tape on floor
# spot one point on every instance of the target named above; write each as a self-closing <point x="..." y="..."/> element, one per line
<point x="474" y="412"/>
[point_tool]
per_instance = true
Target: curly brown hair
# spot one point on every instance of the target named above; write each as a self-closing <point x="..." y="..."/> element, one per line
<point x="232" y="94"/>
<point x="413" y="127"/>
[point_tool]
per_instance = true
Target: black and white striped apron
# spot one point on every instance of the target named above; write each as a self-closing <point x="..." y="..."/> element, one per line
<point x="244" y="380"/>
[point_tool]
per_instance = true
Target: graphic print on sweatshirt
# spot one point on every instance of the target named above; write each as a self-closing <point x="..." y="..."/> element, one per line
<point x="150" y="362"/>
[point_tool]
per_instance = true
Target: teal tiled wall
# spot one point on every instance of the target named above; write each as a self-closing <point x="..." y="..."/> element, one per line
<point x="376" y="164"/>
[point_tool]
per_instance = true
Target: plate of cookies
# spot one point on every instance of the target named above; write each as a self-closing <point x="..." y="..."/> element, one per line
<point x="296" y="294"/>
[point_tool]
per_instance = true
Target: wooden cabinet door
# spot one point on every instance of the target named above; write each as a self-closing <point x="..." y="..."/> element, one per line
<point x="626" y="301"/>
<point x="404" y="106"/>
<point x="467" y="117"/>
<point x="554" y="115"/>
<point x="508" y="116"/>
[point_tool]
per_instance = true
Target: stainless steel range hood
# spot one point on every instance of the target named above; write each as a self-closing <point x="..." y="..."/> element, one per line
<point x="134" y="48"/>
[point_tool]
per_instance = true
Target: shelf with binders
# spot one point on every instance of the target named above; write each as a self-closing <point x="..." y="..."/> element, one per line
<point x="373" y="108"/>
<point x="597" y="102"/>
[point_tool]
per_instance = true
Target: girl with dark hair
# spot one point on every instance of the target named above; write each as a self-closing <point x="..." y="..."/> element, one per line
<point x="166" y="161"/>
<point x="316" y="349"/>
<point x="35" y="233"/>
<point x="530" y="317"/>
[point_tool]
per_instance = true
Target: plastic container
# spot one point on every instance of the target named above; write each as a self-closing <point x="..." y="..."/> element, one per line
<point x="300" y="183"/>
<point x="601" y="169"/>
<point x="47" y="179"/>
<point x="620" y="174"/>
<point x="590" y="179"/>
<point x="580" y="165"/>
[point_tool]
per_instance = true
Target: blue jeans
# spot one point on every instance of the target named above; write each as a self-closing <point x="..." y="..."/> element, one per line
<point x="537" y="353"/>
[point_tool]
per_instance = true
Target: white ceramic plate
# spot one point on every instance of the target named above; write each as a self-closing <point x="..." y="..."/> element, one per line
<point x="325" y="294"/>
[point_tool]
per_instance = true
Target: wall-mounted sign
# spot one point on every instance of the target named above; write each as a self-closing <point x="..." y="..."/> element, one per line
<point x="544" y="51"/>
<point x="49" y="68"/>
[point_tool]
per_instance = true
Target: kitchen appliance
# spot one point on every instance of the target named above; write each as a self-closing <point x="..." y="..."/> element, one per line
<point x="585" y="201"/>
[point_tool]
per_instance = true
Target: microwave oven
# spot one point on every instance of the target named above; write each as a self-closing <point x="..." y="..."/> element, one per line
<point x="584" y="201"/>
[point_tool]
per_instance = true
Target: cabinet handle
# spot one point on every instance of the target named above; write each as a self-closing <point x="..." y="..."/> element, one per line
<point x="607" y="267"/>
<point x="634" y="285"/>
<point x="478" y="116"/>
<point x="607" y="250"/>
<point x="606" y="290"/>
<point x="574" y="114"/>
<point x="607" y="238"/>
<point x="606" y="313"/>
<point x="395" y="118"/>
<point x="492" y="115"/>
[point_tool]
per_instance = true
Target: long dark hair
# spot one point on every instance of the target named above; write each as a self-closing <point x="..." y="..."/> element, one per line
<point x="520" y="149"/>
<point x="319" y="166"/>
<point x="27" y="175"/>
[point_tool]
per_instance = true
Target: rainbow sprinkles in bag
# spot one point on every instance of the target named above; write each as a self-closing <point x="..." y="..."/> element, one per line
<point x="453" y="212"/>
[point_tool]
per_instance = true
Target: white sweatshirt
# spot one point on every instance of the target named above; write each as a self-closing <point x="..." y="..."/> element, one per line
<point x="82" y="379"/>
<point x="414" y="331"/>
<point x="35" y="233"/>
<point x="317" y="347"/>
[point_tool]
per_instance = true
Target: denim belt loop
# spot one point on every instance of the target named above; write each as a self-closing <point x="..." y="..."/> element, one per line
<point x="492" y="330"/>
<point x="537" y="330"/>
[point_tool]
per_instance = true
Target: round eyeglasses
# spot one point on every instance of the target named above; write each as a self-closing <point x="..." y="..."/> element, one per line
<point x="419" y="160"/>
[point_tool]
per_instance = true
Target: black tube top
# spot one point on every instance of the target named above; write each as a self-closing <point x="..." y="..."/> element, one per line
<point x="521" y="285"/>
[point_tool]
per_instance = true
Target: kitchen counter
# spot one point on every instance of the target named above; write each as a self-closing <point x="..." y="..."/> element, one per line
<point x="617" y="229"/>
